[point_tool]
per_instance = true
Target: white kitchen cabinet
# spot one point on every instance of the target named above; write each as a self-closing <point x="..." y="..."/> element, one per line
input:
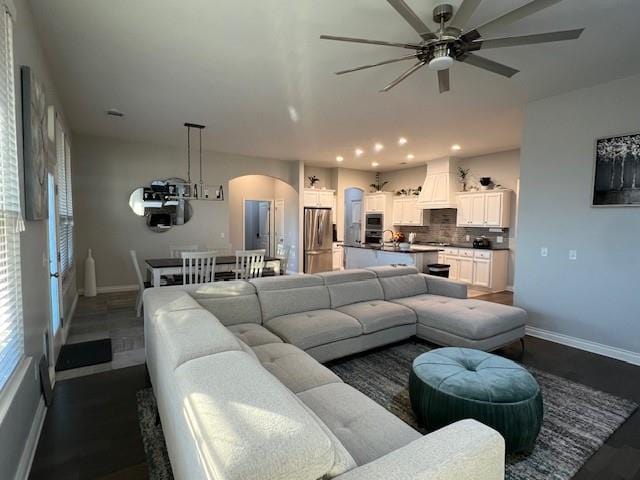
<point x="481" y="272"/>
<point x="407" y="212"/>
<point x="484" y="209"/>
<point x="465" y="270"/>
<point x="454" y="266"/>
<point x="318" y="198"/>
<point x="375" y="202"/>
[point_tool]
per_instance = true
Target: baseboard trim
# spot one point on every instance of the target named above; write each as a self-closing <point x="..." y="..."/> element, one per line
<point x="112" y="289"/>
<point x="586" y="345"/>
<point x="29" y="452"/>
<point x="510" y="288"/>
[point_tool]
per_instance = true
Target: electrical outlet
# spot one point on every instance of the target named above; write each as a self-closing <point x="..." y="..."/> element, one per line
<point x="221" y="234"/>
<point x="573" y="254"/>
<point x="544" y="251"/>
<point x="499" y="239"/>
<point x="468" y="238"/>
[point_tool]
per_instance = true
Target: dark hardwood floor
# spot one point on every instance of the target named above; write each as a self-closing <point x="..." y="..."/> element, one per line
<point x="91" y="431"/>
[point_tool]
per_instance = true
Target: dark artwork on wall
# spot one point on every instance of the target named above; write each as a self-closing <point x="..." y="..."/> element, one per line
<point x="617" y="174"/>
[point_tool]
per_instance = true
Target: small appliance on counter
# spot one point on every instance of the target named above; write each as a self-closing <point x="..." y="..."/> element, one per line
<point x="412" y="237"/>
<point x="481" y="242"/>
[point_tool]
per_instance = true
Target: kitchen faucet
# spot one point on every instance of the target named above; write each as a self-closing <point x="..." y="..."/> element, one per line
<point x="382" y="236"/>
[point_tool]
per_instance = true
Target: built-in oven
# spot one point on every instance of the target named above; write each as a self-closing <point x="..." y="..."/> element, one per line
<point x="374" y="221"/>
<point x="372" y="236"/>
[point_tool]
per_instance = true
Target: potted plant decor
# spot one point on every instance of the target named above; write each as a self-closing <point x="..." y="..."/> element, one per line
<point x="313" y="180"/>
<point x="377" y="186"/>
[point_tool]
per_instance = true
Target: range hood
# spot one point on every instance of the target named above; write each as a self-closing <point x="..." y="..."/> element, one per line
<point x="440" y="185"/>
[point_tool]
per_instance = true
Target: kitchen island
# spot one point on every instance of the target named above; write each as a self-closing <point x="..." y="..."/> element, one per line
<point x="368" y="255"/>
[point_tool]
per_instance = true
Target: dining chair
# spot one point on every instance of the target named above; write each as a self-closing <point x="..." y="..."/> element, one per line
<point x="176" y="250"/>
<point x="198" y="267"/>
<point x="249" y="264"/>
<point x="283" y="252"/>
<point x="141" y="283"/>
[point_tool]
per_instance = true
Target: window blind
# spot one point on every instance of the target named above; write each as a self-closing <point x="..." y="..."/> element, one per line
<point x="11" y="334"/>
<point x="65" y="208"/>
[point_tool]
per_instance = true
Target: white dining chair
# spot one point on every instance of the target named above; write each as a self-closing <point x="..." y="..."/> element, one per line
<point x="141" y="283"/>
<point x="249" y="264"/>
<point x="198" y="267"/>
<point x="283" y="252"/>
<point x="176" y="250"/>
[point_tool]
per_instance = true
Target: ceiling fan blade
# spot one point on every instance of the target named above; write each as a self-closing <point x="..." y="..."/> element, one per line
<point x="412" y="19"/>
<point x="489" y="65"/>
<point x="413" y="46"/>
<point x="508" y="18"/>
<point x="406" y="57"/>
<point x="443" y="80"/>
<point x="413" y="69"/>
<point x="464" y="14"/>
<point x="528" y="39"/>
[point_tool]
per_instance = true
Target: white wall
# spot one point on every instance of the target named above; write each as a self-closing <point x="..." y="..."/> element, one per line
<point x="596" y="297"/>
<point x="324" y="174"/>
<point x="16" y="421"/>
<point x="107" y="170"/>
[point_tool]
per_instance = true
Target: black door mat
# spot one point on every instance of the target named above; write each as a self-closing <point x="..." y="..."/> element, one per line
<point x="76" y="355"/>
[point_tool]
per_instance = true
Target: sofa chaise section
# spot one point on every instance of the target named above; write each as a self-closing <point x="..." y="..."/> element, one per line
<point x="445" y="316"/>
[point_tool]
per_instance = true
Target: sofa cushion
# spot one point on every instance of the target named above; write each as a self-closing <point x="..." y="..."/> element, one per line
<point x="167" y="299"/>
<point x="379" y="315"/>
<point x="297" y="370"/>
<point x="403" y="286"/>
<point x="246" y="425"/>
<point x="285" y="295"/>
<point x="385" y="271"/>
<point x="352" y="286"/>
<point x="473" y="319"/>
<point x="366" y="429"/>
<point x="253" y="334"/>
<point x="189" y="334"/>
<point x="346" y="276"/>
<point x="231" y="302"/>
<point x="313" y="328"/>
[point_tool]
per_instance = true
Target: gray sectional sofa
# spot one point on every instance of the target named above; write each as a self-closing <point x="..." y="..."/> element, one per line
<point x="241" y="392"/>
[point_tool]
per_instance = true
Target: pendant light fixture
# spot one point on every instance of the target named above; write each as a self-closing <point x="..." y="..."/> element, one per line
<point x="200" y="191"/>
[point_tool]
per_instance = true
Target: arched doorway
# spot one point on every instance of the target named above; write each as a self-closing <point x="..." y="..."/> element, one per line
<point x="353" y="215"/>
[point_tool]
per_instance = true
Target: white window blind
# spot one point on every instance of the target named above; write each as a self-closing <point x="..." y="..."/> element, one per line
<point x="65" y="207"/>
<point x="11" y="335"/>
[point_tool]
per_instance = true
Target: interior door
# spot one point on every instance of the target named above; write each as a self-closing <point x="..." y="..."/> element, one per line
<point x="264" y="227"/>
<point x="55" y="283"/>
<point x="278" y="222"/>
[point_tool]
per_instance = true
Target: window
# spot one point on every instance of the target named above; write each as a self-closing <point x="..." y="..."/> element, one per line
<point x="65" y="208"/>
<point x="11" y="342"/>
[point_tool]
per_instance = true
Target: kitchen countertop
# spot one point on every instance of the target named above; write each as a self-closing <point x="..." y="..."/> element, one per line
<point x="388" y="248"/>
<point x="470" y="245"/>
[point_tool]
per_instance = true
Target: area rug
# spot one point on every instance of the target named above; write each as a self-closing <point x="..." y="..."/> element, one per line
<point x="577" y="419"/>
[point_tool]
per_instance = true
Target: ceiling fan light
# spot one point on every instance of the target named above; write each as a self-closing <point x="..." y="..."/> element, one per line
<point x="441" y="63"/>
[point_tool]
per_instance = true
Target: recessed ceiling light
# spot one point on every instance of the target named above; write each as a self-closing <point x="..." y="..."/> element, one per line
<point x="374" y="164"/>
<point x="455" y="147"/>
<point x="378" y="147"/>
<point x="411" y="156"/>
<point x="359" y="152"/>
<point x="339" y="158"/>
<point x="402" y="141"/>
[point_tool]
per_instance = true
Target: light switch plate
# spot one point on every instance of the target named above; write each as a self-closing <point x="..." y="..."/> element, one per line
<point x="544" y="251"/>
<point x="221" y="234"/>
<point x="500" y="239"/>
<point x="468" y="238"/>
<point x="573" y="254"/>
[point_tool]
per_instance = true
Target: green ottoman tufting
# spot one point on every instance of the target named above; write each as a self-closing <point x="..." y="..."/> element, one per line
<point x="451" y="384"/>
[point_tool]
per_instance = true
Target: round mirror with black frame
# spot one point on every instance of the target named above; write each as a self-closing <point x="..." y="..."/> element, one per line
<point x="164" y="203"/>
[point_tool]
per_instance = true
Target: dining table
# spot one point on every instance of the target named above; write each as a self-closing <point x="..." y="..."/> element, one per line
<point x="159" y="267"/>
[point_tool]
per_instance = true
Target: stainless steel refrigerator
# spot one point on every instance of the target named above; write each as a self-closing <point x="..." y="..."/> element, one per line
<point x="318" y="235"/>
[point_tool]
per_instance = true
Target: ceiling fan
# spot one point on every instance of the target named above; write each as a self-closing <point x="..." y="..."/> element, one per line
<point x="451" y="42"/>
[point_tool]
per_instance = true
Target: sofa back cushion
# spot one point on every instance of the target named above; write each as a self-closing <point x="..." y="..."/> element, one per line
<point x="188" y="334"/>
<point x="400" y="281"/>
<point x="246" y="425"/>
<point x="231" y="302"/>
<point x="291" y="294"/>
<point x="352" y="286"/>
<point x="167" y="299"/>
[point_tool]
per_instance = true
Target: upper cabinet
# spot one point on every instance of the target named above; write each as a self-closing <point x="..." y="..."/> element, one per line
<point x="490" y="209"/>
<point x="407" y="212"/>
<point x="377" y="202"/>
<point x="318" y="198"/>
<point x="440" y="185"/>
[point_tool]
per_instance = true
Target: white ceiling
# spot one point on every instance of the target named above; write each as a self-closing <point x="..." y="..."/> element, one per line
<point x="238" y="67"/>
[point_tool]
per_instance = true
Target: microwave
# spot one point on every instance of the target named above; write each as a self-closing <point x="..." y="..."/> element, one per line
<point x="374" y="221"/>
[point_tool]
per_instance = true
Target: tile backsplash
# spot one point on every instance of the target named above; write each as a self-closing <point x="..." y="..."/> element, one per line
<point x="443" y="229"/>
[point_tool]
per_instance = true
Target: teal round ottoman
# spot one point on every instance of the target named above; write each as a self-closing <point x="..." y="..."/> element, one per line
<point x="451" y="384"/>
